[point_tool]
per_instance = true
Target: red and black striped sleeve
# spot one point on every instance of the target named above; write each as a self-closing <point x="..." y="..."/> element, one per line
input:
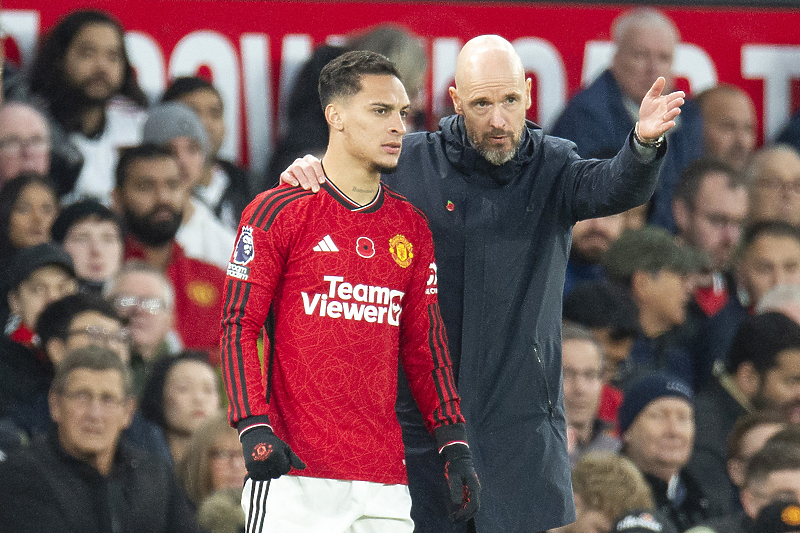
<point x="423" y="343"/>
<point x="252" y="275"/>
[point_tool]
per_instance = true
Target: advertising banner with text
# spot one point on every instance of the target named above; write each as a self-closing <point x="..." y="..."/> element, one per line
<point x="252" y="49"/>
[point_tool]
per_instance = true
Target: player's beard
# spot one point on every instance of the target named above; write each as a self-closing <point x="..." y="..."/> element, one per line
<point x="496" y="156"/>
<point x="150" y="231"/>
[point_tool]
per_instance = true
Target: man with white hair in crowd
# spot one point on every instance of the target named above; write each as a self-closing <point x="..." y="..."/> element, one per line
<point x="599" y="117"/>
<point x="24" y="141"/>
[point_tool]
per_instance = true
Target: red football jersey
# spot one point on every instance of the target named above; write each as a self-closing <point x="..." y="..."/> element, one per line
<point x="198" y="296"/>
<point x="351" y="288"/>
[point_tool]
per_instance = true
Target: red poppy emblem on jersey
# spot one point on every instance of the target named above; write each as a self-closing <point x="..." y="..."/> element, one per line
<point x="365" y="247"/>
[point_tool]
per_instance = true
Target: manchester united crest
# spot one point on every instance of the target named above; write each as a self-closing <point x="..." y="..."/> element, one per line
<point x="401" y="250"/>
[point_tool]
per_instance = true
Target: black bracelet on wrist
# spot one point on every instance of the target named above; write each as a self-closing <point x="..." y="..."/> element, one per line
<point x="647" y="144"/>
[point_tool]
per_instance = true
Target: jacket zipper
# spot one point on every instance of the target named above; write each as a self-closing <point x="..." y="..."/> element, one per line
<point x="544" y="377"/>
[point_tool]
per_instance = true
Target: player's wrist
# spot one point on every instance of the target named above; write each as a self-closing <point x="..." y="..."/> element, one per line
<point x="450" y="434"/>
<point x="253" y="422"/>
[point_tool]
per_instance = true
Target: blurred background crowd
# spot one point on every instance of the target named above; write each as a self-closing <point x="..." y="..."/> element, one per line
<point x="681" y="340"/>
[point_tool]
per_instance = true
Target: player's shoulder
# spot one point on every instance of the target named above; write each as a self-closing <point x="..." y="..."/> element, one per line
<point x="267" y="205"/>
<point x="403" y="203"/>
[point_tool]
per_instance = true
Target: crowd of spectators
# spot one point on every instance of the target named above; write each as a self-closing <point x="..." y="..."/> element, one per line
<point x="681" y="341"/>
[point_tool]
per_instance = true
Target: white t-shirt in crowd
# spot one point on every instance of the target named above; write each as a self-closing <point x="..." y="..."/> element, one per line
<point x="204" y="237"/>
<point x="124" y="123"/>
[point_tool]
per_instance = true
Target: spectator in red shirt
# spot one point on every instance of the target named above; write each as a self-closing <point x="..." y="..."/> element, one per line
<point x="149" y="195"/>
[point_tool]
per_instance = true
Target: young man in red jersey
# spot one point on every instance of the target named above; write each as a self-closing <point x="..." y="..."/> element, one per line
<point x="350" y="279"/>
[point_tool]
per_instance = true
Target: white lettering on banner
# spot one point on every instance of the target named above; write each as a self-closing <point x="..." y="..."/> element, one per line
<point x="244" y="72"/>
<point x="295" y="50"/>
<point x="146" y="57"/>
<point x="777" y="66"/>
<point x="387" y="302"/>
<point x="23" y="27"/>
<point x="445" y="51"/>
<point x="541" y="58"/>
<point x="257" y="98"/>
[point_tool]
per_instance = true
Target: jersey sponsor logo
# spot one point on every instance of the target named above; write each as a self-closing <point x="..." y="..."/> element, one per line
<point x="401" y="250"/>
<point x="245" y="248"/>
<point x="365" y="247"/>
<point x="433" y="280"/>
<point x="350" y="301"/>
<point x="238" y="271"/>
<point x="326" y="245"/>
<point x="202" y="293"/>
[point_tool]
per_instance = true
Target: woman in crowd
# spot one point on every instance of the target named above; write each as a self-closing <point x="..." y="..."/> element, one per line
<point x="181" y="393"/>
<point x="213" y="459"/>
<point x="28" y="208"/>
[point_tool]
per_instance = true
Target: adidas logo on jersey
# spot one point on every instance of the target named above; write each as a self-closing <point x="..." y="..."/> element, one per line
<point x="326" y="245"/>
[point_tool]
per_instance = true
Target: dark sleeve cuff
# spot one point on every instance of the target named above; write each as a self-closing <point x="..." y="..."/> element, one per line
<point x="450" y="433"/>
<point x="646" y="154"/>
<point x="252" y="421"/>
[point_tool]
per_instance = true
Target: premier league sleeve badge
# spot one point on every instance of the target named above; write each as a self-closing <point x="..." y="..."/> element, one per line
<point x="243" y="253"/>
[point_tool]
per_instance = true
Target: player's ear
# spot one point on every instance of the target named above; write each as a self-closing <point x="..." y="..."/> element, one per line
<point x="333" y="116"/>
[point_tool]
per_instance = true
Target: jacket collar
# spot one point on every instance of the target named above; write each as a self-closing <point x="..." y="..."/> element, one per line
<point x="468" y="161"/>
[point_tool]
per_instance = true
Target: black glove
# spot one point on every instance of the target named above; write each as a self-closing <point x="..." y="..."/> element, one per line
<point x="465" y="489"/>
<point x="265" y="455"/>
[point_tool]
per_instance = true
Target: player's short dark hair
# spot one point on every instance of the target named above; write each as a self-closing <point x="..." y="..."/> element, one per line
<point x="342" y="76"/>
<point x="132" y="154"/>
<point x="184" y="85"/>
<point x="692" y="176"/>
<point x="91" y="358"/>
<point x="56" y="318"/>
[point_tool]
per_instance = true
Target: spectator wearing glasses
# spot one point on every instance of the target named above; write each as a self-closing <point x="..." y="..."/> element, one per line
<point x="143" y="296"/>
<point x="709" y="206"/>
<point x="83" y="476"/>
<point x="74" y="322"/>
<point x="92" y="235"/>
<point x="582" y="367"/>
<point x="774" y="179"/>
<point x="213" y="460"/>
<point x="24" y="141"/>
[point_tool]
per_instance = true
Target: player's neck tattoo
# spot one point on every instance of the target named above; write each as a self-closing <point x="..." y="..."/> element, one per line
<point x="363" y="191"/>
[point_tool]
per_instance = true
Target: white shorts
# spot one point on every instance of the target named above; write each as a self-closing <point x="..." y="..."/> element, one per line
<point x="295" y="504"/>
